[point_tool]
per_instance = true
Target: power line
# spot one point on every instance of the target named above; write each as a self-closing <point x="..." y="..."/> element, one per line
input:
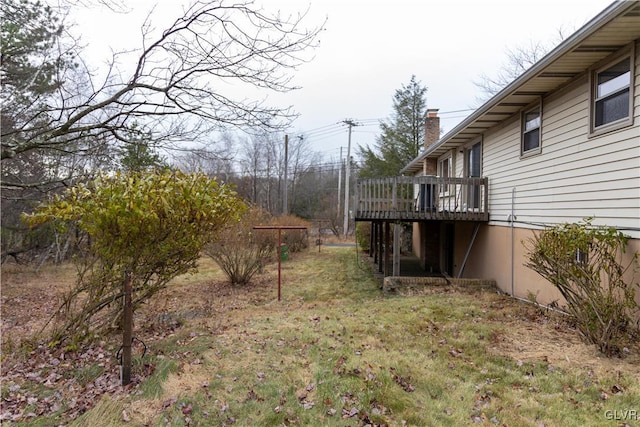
<point x="456" y="111"/>
<point x="322" y="127"/>
<point x="328" y="132"/>
<point x="335" y="129"/>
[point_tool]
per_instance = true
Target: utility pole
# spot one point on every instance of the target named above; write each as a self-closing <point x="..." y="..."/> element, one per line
<point x="339" y="184"/>
<point x="351" y="124"/>
<point x="285" y="201"/>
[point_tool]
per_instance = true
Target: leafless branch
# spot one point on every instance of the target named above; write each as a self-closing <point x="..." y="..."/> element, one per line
<point x="181" y="79"/>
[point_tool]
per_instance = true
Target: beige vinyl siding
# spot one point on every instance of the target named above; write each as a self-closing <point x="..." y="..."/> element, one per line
<point x="575" y="176"/>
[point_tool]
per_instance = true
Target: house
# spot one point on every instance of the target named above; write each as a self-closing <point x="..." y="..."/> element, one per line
<point x="558" y="144"/>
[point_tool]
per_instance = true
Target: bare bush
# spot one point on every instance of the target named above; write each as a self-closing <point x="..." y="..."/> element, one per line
<point x="296" y="240"/>
<point x="584" y="263"/>
<point x="241" y="252"/>
<point x="363" y="235"/>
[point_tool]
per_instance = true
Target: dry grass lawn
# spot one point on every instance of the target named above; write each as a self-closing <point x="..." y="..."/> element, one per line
<point x="334" y="351"/>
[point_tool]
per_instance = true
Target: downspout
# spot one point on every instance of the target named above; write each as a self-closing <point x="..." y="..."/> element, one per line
<point x="512" y="219"/>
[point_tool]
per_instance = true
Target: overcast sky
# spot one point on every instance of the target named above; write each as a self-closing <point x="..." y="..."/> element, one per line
<point x="370" y="48"/>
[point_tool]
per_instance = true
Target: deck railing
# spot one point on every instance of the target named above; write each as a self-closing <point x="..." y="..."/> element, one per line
<point x="422" y="197"/>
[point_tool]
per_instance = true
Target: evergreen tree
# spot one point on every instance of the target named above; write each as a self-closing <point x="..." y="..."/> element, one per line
<point x="139" y="154"/>
<point x="402" y="135"/>
<point x="30" y="66"/>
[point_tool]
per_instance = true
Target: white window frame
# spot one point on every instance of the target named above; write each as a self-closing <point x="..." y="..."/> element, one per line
<point x="467" y="148"/>
<point x="628" y="53"/>
<point x="524" y="131"/>
<point x="444" y="190"/>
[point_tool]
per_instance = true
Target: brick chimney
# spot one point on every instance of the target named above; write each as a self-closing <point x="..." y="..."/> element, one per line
<point x="431" y="127"/>
<point x="431" y="136"/>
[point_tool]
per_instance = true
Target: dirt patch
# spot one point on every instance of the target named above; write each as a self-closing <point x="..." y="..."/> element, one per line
<point x="31" y="297"/>
<point x="534" y="333"/>
<point x="73" y="380"/>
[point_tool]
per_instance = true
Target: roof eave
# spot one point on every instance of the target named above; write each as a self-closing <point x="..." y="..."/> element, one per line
<point x="613" y="10"/>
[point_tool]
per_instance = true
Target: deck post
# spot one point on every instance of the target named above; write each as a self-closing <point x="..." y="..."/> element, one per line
<point x="376" y="232"/>
<point x="387" y="244"/>
<point x="396" y="248"/>
<point x="372" y="238"/>
<point x="394" y="195"/>
<point x="380" y="245"/>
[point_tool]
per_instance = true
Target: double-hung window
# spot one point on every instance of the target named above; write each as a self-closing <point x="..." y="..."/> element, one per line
<point x="612" y="94"/>
<point x="445" y="172"/>
<point x="445" y="167"/>
<point x="531" y="131"/>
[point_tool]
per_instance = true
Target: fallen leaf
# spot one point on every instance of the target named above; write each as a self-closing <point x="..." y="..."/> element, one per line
<point x="617" y="389"/>
<point x="169" y="402"/>
<point x="349" y="413"/>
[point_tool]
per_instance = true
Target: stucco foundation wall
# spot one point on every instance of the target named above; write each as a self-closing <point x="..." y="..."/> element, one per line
<point x="492" y="258"/>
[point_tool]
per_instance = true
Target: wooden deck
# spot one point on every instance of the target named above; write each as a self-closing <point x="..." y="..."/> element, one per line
<point x="418" y="198"/>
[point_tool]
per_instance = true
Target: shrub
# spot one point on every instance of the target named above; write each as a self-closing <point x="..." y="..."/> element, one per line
<point x="239" y="250"/>
<point x="296" y="240"/>
<point x="584" y="263"/>
<point x="150" y="225"/>
<point x="363" y="235"/>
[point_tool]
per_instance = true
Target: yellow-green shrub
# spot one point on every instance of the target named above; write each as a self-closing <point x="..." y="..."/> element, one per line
<point x="151" y="225"/>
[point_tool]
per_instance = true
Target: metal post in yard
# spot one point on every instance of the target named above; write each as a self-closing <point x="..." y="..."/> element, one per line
<point x="127" y="334"/>
<point x="279" y="259"/>
<point x="279" y="228"/>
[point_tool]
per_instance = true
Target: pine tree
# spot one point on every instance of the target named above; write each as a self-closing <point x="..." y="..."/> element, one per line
<point x="402" y="135"/>
<point x="139" y="154"/>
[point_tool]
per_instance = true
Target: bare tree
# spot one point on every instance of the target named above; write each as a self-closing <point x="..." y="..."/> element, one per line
<point x="216" y="160"/>
<point x="261" y="161"/>
<point x="518" y="60"/>
<point x="274" y="170"/>
<point x="172" y="90"/>
<point x="302" y="160"/>
<point x="252" y="165"/>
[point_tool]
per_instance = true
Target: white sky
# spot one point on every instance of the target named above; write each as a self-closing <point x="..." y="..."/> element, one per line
<point x="372" y="47"/>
